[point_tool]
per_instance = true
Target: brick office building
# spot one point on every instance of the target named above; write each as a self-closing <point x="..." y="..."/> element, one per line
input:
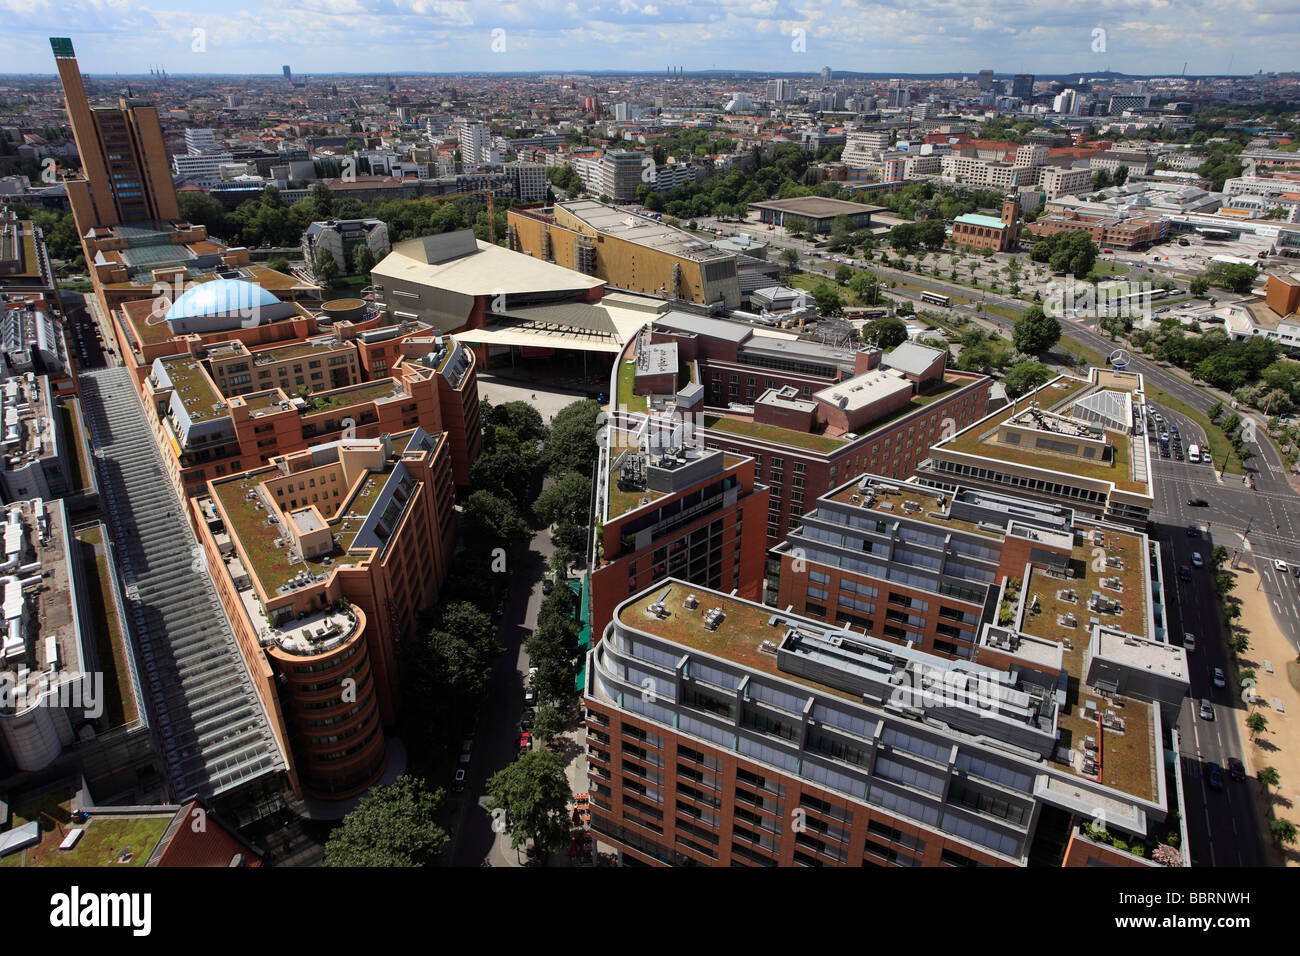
<point x="776" y="739"/>
<point x="808" y="414"/>
<point x="670" y="509"/>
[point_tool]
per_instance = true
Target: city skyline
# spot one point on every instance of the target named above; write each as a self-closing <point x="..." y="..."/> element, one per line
<point x="1148" y="37"/>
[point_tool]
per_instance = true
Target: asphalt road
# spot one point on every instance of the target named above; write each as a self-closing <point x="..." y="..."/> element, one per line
<point x="496" y="739"/>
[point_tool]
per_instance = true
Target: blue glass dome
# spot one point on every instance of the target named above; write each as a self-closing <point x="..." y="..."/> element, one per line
<point x="220" y="297"/>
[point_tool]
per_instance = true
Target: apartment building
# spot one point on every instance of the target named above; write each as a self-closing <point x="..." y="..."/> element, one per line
<point x="807" y="413"/>
<point x="1074" y="440"/>
<point x="323" y="561"/>
<point x="341" y="238"/>
<point x="721" y="732"/>
<point x="205" y="431"/>
<point x="667" y="507"/>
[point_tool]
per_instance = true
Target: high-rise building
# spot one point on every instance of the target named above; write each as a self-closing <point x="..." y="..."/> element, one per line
<point x="985" y="80"/>
<point x="826" y="74"/>
<point x="123" y="159"/>
<point x="288" y="73"/>
<point x="475" y="144"/>
<point x="200" y="141"/>
<point x="1022" y="86"/>
<point x="780" y="91"/>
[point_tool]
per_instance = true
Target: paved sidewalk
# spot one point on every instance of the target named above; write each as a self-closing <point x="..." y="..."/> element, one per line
<point x="1277" y="747"/>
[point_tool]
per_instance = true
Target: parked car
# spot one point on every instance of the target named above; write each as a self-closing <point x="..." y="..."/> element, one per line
<point x="526" y="718"/>
<point x="1215" y="776"/>
<point x="525" y="740"/>
<point x="1236" y="769"/>
<point x="529" y="694"/>
<point x="1207" y="709"/>
<point x="1219" y="680"/>
<point x="547" y="586"/>
<point x="1189" y="641"/>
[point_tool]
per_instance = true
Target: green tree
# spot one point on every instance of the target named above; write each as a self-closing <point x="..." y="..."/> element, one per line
<point x="534" y="793"/>
<point x="885" y="333"/>
<point x="1269" y="777"/>
<point x="1283" y="831"/>
<point x="505" y="471"/>
<point x="828" y="299"/>
<point x="1036" y="331"/>
<point x="548" y="724"/>
<point x="363" y="259"/>
<point x="491" y="521"/>
<point x="1121" y="175"/>
<point x="573" y="445"/>
<point x="843" y="274"/>
<point x="323" y="198"/>
<point x="1024" y="377"/>
<point x="789" y="257"/>
<point x="568" y="497"/>
<point x="278" y="264"/>
<point x="1257" y="723"/>
<point x="391" y="826"/>
<point x="324" y="267"/>
<point x="1199" y="286"/>
<point x="866" y="286"/>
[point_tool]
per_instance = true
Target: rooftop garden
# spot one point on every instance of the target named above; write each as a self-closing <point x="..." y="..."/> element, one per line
<point x="119" y="704"/>
<point x="351" y="396"/>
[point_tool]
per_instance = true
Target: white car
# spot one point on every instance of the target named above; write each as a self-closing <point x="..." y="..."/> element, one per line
<point x="1189" y="641"/>
<point x="1197" y="560"/>
<point x="1219" y="679"/>
<point x="1279" y="565"/>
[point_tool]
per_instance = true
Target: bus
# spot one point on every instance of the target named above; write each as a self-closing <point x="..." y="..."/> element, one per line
<point x="1194" y="453"/>
<point x="934" y="298"/>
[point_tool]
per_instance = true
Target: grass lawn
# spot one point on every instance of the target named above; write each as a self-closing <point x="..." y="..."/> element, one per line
<point x="780" y="436"/>
<point x="1003" y="310"/>
<point x="626" y="381"/>
<point x="104" y="840"/>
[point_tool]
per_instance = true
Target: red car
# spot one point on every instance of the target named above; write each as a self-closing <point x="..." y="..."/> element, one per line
<point x="525" y="740"/>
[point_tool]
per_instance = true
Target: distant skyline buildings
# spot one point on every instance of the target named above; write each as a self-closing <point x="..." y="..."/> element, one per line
<point x="241" y="37"/>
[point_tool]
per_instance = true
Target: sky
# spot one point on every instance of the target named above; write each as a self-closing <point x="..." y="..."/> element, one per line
<point x="800" y="36"/>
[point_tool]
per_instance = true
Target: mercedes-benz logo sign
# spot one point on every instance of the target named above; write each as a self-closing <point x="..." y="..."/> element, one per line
<point x="1120" y="358"/>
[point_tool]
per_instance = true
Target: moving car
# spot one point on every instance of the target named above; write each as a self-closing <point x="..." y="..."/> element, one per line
<point x="1279" y="565"/>
<point x="1236" y="769"/>
<point x="1184" y="573"/>
<point x="1215" y="775"/>
<point x="459" y="786"/>
<point x="1193" y="531"/>
<point x="1207" y="709"/>
<point x="1219" y="680"/>
<point x="1197" y="560"/>
<point x="1189" y="641"/>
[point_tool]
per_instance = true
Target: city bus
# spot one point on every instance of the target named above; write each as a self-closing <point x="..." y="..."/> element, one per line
<point x="1194" y="453"/>
<point x="935" y="298"/>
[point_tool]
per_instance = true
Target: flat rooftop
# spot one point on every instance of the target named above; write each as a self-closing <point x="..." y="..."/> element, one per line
<point x="190" y="381"/>
<point x="642" y="230"/>
<point x="817" y="207"/>
<point x="865" y="389"/>
<point x="1056" y="397"/>
<point x="486" y="270"/>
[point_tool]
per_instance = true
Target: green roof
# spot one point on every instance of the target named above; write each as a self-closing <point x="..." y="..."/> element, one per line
<point x="975" y="219"/>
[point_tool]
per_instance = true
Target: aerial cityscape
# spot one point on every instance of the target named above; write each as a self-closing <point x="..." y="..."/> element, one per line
<point x="650" y="435"/>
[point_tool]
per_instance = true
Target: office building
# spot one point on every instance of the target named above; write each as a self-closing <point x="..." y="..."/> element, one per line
<point x="807" y="413"/>
<point x="780" y="91"/>
<point x="200" y="169"/>
<point x="667" y="507"/>
<point x="200" y="141"/>
<point x="985" y="80"/>
<point x="1079" y="441"/>
<point x="1022" y="86"/>
<point x="323" y="562"/>
<point x="126" y="177"/>
<point x="722" y="732"/>
<point x="529" y="181"/>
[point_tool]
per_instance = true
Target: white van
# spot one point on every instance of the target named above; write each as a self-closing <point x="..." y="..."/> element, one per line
<point x="1193" y="452"/>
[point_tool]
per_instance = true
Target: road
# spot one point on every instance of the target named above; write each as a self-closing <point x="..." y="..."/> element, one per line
<point x="496" y="740"/>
